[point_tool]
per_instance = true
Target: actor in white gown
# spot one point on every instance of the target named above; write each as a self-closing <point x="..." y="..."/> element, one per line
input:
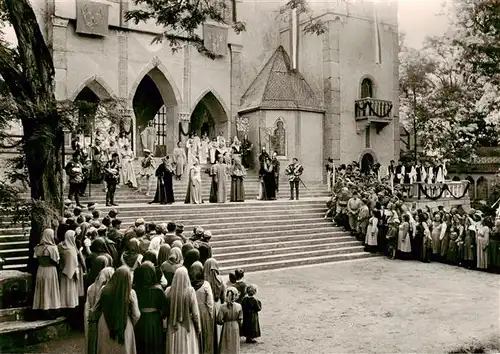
<point x="127" y="171"/>
<point x="204" y="149"/>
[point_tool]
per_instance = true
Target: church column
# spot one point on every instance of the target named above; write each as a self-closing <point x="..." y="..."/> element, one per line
<point x="235" y="88"/>
<point x="395" y="92"/>
<point x="184" y="115"/>
<point x="331" y="91"/>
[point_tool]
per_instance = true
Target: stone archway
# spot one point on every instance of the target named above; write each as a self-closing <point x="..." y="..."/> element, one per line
<point x="209" y="116"/>
<point x="367" y="160"/>
<point x="472" y="188"/>
<point x="155" y="108"/>
<point x="482" y="189"/>
<point x="87" y="97"/>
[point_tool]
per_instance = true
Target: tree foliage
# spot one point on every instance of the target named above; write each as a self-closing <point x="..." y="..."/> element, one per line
<point x="451" y="88"/>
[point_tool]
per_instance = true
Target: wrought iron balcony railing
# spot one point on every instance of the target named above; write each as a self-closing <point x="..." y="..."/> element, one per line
<point x="373" y="109"/>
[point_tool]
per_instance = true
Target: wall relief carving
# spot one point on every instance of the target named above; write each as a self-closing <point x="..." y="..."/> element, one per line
<point x="92" y="18"/>
<point x="278" y="139"/>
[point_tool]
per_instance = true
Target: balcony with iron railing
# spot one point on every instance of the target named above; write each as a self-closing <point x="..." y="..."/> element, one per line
<point x="368" y="111"/>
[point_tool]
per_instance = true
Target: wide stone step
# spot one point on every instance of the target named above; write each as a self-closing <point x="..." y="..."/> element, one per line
<point x="277" y="251"/>
<point x="293" y="260"/>
<point x="263" y="244"/>
<point x="15" y="252"/>
<point x="16" y="262"/>
<point x="13" y="245"/>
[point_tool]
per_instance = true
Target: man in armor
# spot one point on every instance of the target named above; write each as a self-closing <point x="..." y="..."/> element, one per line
<point x="294" y="171"/>
<point x="112" y="177"/>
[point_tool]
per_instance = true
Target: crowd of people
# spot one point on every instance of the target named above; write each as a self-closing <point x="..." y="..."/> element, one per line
<point x="378" y="214"/>
<point x="111" y="162"/>
<point x="149" y="289"/>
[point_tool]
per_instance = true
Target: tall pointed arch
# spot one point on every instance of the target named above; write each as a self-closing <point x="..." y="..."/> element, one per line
<point x="97" y="85"/>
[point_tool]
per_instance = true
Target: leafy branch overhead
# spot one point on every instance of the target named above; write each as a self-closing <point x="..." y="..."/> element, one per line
<point x="312" y="25"/>
<point x="181" y="20"/>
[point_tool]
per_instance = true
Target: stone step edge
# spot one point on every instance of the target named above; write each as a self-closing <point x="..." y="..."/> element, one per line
<point x="294" y="254"/>
<point x="287" y="250"/>
<point x="284" y="262"/>
<point x="18" y="326"/>
<point x="258" y="240"/>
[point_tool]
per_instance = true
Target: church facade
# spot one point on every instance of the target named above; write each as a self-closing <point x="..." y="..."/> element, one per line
<point x="302" y="95"/>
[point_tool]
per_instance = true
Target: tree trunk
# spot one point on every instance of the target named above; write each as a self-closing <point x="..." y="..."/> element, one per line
<point x="30" y="80"/>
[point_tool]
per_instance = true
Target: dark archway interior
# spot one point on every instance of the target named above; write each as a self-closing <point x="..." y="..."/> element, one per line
<point x="147" y="101"/>
<point x="366" y="163"/>
<point x="87" y="103"/>
<point x="207" y="115"/>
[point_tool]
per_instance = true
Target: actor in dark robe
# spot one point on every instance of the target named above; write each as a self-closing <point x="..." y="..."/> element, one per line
<point x="237" y="175"/>
<point x="276" y="168"/>
<point x="164" y="188"/>
<point x="267" y="171"/>
<point x="246" y="152"/>
<point x="213" y="187"/>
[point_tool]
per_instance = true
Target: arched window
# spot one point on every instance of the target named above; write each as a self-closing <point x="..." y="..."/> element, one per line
<point x="366" y="88"/>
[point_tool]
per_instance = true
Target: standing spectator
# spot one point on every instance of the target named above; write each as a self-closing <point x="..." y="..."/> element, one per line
<point x="74" y="170"/>
<point x="230" y="317"/>
<point x="46" y="296"/>
<point x="112" y="178"/>
<point x="251" y="307"/>
<point x="70" y="272"/>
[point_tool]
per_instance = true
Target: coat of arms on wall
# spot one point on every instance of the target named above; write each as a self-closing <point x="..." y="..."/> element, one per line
<point x="215" y="39"/>
<point x="92" y="18"/>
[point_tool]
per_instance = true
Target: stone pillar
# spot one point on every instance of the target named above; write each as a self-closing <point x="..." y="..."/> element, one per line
<point x="395" y="91"/>
<point x="235" y="88"/>
<point x="59" y="39"/>
<point x="186" y="80"/>
<point x="331" y="91"/>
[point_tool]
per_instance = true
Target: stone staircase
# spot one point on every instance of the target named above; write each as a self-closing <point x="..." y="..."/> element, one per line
<point x="255" y="235"/>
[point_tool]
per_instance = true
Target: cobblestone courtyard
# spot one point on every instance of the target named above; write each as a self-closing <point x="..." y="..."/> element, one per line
<point x="371" y="306"/>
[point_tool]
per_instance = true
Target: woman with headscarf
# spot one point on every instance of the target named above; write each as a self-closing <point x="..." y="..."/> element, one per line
<point x="152" y="304"/>
<point x="206" y="308"/>
<point x="183" y="319"/>
<point x="212" y="275"/>
<point x="117" y="312"/>
<point x="162" y="258"/>
<point x="483" y="228"/>
<point x="69" y="271"/>
<point x="155" y="244"/>
<point x="93" y="294"/>
<point x="177" y="244"/>
<point x="205" y="252"/>
<point x="173" y="263"/>
<point x="164" y="188"/>
<point x="188" y="246"/>
<point x="97" y="249"/>
<point x="191" y="257"/>
<point x="132" y="258"/>
<point x="237" y="173"/>
<point x="46" y="296"/>
<point x="230" y="317"/>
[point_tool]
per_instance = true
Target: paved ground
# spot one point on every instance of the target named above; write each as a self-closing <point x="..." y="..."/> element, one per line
<point x="370" y="306"/>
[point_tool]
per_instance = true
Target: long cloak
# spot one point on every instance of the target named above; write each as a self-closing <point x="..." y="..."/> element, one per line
<point x="221" y="178"/>
<point x="164" y="189"/>
<point x="193" y="195"/>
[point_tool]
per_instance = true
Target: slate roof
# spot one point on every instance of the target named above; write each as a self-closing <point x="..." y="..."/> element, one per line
<point x="279" y="87"/>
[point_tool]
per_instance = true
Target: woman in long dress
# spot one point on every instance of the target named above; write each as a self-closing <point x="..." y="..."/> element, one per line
<point x="132" y="256"/>
<point x="46" y="297"/>
<point x="69" y="271"/>
<point x="469" y="248"/>
<point x="93" y="294"/>
<point x="179" y="157"/>
<point x="164" y="186"/>
<point x="372" y="232"/>
<point x="482" y="241"/>
<point x="267" y="171"/>
<point x="190" y="150"/>
<point x="128" y="173"/>
<point x="205" y="306"/>
<point x="230" y="317"/>
<point x="193" y="195"/>
<point x="152" y="304"/>
<point x="237" y="175"/>
<point x="404" y="241"/>
<point x="437" y="233"/>
<point x="204" y="149"/>
<point x="117" y="311"/>
<point x="183" y="318"/>
<point x="174" y="262"/>
<point x="212" y="275"/>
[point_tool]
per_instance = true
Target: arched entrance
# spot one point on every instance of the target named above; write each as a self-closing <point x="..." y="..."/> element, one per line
<point x="209" y="117"/>
<point x="155" y="110"/>
<point x="482" y="189"/>
<point x="472" y="188"/>
<point x="367" y="162"/>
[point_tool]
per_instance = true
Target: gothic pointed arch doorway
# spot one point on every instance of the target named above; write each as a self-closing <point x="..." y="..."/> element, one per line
<point x="155" y="110"/>
<point x="209" y="117"/>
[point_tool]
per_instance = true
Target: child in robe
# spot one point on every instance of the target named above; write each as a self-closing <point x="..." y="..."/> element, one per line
<point x="230" y="317"/>
<point x="452" y="252"/>
<point x="251" y="307"/>
<point x="240" y="284"/>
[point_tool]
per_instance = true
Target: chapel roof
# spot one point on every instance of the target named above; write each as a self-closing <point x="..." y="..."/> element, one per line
<point x="279" y="87"/>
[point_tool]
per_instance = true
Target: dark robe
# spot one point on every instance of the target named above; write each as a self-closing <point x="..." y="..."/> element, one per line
<point x="237" y="188"/>
<point x="267" y="171"/>
<point x="96" y="168"/>
<point x="214" y="186"/>
<point x="251" y="308"/>
<point x="164" y="188"/>
<point x="246" y="153"/>
<point x="276" y="168"/>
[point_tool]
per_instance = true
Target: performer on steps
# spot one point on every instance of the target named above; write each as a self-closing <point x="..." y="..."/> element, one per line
<point x="112" y="178"/>
<point x="294" y="171"/>
<point x="164" y="189"/>
<point x="148" y="169"/>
